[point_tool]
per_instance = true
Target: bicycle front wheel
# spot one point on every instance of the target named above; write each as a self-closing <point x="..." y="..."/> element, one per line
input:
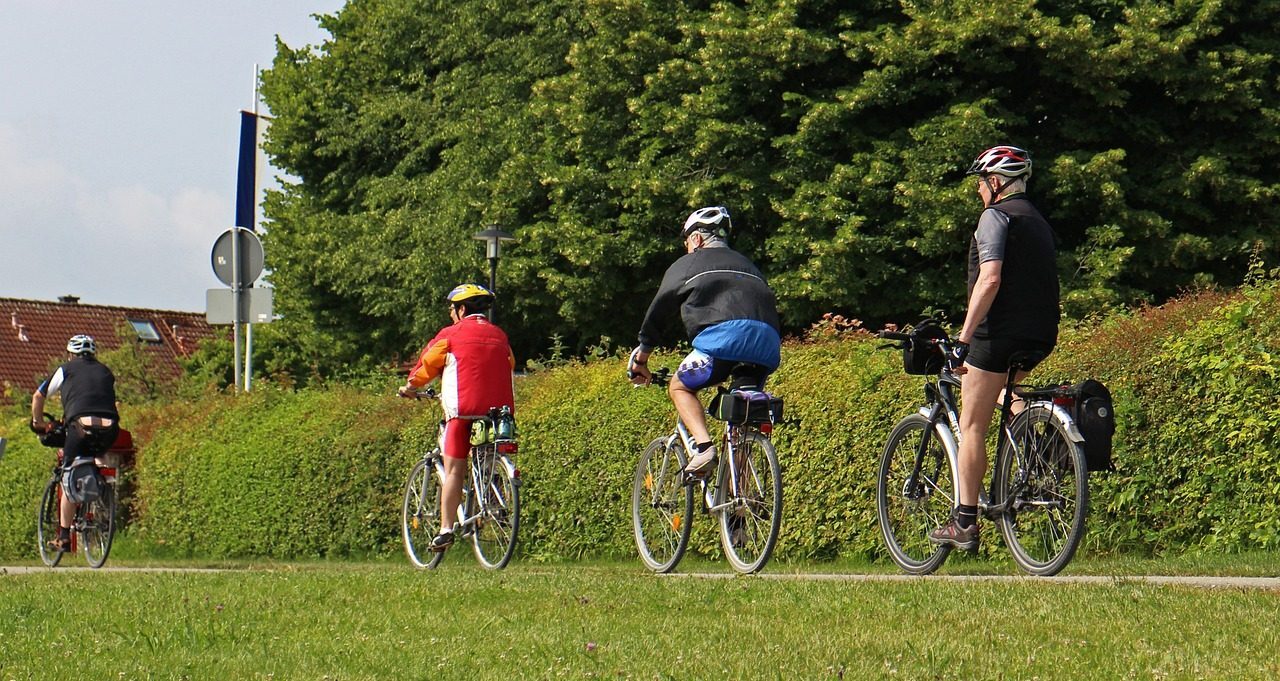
<point x="1041" y="476"/>
<point x="661" y="505"/>
<point x="420" y="516"/>
<point x="915" y="492"/>
<point x="47" y="523"/>
<point x="99" y="523"/>
<point x="749" y="526"/>
<point x="494" y="539"/>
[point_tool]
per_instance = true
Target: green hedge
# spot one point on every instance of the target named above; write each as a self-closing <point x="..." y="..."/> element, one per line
<point x="318" y="473"/>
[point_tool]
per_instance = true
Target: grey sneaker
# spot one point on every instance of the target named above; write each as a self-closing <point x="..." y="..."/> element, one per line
<point x="701" y="462"/>
<point x="963" y="538"/>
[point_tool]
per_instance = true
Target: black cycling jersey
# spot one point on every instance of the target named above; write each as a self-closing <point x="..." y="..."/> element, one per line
<point x="88" y="389"/>
<point x="709" y="286"/>
<point x="1026" y="305"/>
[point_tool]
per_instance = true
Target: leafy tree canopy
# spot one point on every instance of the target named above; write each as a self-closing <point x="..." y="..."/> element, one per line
<point x="835" y="132"/>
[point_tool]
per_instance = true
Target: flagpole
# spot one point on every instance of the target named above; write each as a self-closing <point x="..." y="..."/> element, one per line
<point x="248" y="328"/>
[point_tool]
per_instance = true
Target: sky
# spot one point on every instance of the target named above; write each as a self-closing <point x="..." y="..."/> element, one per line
<point x="119" y="125"/>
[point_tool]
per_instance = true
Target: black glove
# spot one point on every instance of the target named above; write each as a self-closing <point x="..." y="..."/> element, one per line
<point x="955" y="358"/>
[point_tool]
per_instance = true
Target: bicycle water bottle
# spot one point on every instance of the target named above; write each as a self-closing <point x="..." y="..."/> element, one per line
<point x="505" y="425"/>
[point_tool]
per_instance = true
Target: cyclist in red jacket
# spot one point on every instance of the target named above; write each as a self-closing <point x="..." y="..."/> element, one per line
<point x="474" y="363"/>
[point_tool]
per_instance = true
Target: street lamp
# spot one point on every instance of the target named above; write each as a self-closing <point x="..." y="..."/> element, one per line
<point x="493" y="237"/>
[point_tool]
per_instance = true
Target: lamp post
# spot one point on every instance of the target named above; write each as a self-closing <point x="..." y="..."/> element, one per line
<point x="493" y="238"/>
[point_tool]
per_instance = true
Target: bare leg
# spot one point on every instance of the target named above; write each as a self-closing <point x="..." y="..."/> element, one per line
<point x="455" y="472"/>
<point x="689" y="407"/>
<point x="981" y="392"/>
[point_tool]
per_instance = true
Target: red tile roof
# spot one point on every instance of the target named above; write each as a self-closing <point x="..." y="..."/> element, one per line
<point x="34" y="333"/>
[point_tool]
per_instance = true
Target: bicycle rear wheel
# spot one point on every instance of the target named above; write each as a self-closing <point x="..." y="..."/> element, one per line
<point x="661" y="505"/>
<point x="912" y="501"/>
<point x="1042" y="476"/>
<point x="496" y="529"/>
<point x="99" y="527"/>
<point x="749" y="528"/>
<point x="420" y="516"/>
<point x="47" y="523"/>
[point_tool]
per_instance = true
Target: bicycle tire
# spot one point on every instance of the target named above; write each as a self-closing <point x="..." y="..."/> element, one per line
<point x="498" y="526"/>
<point x="420" y="514"/>
<point x="661" y="505"/>
<point x="1045" y="520"/>
<point x="47" y="523"/>
<point x="98" y="518"/>
<point x="908" y="515"/>
<point x="757" y="507"/>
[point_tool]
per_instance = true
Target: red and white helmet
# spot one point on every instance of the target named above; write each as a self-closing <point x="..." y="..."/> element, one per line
<point x="1004" y="160"/>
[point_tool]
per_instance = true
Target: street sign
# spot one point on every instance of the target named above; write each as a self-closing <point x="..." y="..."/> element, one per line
<point x="255" y="306"/>
<point x="251" y="258"/>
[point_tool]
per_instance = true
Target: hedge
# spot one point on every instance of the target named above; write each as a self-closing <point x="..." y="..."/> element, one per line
<point x="318" y="473"/>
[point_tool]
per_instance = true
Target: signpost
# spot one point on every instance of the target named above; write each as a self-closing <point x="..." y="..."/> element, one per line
<point x="238" y="261"/>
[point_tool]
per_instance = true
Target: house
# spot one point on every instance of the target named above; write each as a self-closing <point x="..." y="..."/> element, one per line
<point x="34" y="333"/>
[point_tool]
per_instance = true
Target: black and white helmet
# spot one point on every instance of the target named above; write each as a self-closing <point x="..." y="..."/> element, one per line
<point x="82" y="345"/>
<point x="714" y="220"/>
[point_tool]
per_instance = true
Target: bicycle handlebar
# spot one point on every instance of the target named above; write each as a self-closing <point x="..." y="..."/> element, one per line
<point x="660" y="378"/>
<point x="428" y="394"/>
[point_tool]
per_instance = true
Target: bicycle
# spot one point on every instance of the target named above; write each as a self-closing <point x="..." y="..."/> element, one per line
<point x="94" y="526"/>
<point x="746" y="496"/>
<point x="490" y="508"/>
<point x="1039" y="490"/>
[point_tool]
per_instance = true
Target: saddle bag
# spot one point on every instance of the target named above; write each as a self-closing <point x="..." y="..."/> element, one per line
<point x="1095" y="416"/>
<point x="745" y="406"/>
<point x="82" y="482"/>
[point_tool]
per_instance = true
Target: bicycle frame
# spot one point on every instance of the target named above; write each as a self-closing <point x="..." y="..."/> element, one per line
<point x="733" y="436"/>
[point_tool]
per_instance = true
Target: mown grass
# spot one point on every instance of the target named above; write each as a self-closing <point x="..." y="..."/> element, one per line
<point x="367" y="621"/>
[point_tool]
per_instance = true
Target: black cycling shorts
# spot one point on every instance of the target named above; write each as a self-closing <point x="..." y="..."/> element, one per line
<point x="992" y="354"/>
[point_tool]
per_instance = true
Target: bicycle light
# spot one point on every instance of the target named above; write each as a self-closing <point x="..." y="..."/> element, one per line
<point x="508" y="447"/>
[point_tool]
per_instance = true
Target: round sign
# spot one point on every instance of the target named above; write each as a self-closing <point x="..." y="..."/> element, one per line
<point x="251" y="257"/>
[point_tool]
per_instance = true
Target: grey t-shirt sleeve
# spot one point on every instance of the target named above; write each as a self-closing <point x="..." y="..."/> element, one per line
<point x="993" y="230"/>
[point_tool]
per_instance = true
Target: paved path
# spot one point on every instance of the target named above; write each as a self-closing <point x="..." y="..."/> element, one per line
<point x="1265" y="583"/>
<point x="1268" y="583"/>
<point x="31" y="569"/>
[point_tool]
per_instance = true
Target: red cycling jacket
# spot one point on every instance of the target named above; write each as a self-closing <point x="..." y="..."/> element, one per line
<point x="474" y="363"/>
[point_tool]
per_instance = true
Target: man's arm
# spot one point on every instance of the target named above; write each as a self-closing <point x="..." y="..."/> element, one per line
<point x="984" y="294"/>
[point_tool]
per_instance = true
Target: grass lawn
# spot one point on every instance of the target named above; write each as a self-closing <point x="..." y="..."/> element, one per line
<point x="611" y="620"/>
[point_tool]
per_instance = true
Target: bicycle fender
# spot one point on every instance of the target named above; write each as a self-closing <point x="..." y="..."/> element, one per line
<point x="1063" y="416"/>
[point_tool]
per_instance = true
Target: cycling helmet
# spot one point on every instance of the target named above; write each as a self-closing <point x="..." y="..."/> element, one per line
<point x="473" y="295"/>
<point x="1007" y="161"/>
<point x="82" y="345"/>
<point x="714" y="219"/>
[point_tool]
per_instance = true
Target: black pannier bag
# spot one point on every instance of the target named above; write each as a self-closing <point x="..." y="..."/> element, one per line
<point x="1096" y="418"/>
<point x="922" y="357"/>
<point x="745" y="406"/>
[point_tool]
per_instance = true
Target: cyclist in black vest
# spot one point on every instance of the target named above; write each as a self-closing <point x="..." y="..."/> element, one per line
<point x="1013" y="307"/>
<point x="88" y="390"/>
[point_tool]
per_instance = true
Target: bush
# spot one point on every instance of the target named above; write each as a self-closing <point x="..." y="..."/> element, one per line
<point x="319" y="472"/>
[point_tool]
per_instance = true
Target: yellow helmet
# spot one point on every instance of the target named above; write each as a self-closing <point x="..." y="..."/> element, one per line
<point x="474" y="295"/>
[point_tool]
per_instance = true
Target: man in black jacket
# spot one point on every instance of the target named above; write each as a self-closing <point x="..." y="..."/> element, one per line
<point x="730" y="316"/>
<point x="88" y="390"/>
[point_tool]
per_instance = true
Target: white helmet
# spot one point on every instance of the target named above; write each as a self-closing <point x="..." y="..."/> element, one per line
<point x="1004" y="160"/>
<point x="714" y="219"/>
<point x="82" y="345"/>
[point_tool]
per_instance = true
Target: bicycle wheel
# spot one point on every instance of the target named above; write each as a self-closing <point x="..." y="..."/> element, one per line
<point x="495" y="533"/>
<point x="661" y="505"/>
<point x="47" y="523"/>
<point x="98" y="523"/>
<point x="420" y="516"/>
<point x="1041" y="474"/>
<point x="749" y="527"/>
<point x="910" y="501"/>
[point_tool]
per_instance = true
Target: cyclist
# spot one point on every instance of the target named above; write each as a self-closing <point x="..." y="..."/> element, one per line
<point x="88" y="390"/>
<point x="474" y="362"/>
<point x="1013" y="307"/>
<point x="730" y="315"/>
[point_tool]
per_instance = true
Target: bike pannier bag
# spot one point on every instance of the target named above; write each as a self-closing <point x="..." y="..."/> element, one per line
<point x="82" y="483"/>
<point x="746" y="406"/>
<point x="921" y="357"/>
<point x="1096" y="418"/>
